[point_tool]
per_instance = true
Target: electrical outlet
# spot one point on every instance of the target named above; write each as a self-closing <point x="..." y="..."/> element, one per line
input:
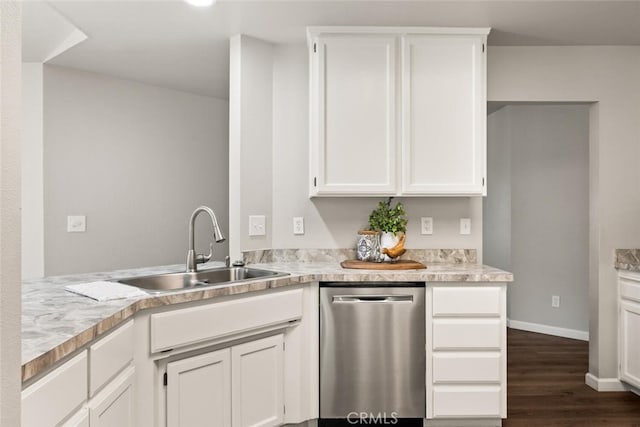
<point x="257" y="225"/>
<point x="76" y="224"/>
<point x="465" y="225"/>
<point x="555" y="301"/>
<point x="426" y="225"/>
<point x="298" y="225"/>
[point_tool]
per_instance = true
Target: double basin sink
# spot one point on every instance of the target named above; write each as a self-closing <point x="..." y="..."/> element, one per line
<point x="206" y="278"/>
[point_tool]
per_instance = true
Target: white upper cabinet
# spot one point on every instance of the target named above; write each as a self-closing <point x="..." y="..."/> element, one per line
<point x="443" y="114"/>
<point x="397" y="111"/>
<point x="355" y="109"/>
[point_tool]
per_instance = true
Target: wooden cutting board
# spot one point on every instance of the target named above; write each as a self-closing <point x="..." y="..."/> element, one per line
<point x="397" y="265"/>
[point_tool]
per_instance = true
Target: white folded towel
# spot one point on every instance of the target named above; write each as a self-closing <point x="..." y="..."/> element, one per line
<point x="105" y="291"/>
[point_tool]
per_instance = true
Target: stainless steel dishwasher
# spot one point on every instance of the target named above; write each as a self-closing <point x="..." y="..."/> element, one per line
<point x="372" y="351"/>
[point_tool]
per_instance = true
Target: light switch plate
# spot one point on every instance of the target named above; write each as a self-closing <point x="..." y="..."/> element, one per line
<point x="257" y="225"/>
<point x="76" y="223"/>
<point x="465" y="225"/>
<point x="426" y="225"/>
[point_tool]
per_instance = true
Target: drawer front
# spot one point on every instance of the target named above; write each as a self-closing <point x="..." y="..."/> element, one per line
<point x="466" y="367"/>
<point x="466" y="401"/>
<point x="629" y="289"/>
<point x="467" y="301"/>
<point x="109" y="356"/>
<point x="197" y="324"/>
<point x="467" y="334"/>
<point x="56" y="396"/>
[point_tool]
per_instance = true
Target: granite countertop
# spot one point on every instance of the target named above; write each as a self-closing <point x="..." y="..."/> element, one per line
<point x="627" y="259"/>
<point x="56" y="323"/>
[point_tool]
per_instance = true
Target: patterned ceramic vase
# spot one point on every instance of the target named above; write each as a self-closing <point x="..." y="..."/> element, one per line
<point x="368" y="246"/>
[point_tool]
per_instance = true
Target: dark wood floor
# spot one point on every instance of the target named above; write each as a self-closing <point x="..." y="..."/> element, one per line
<point x="545" y="383"/>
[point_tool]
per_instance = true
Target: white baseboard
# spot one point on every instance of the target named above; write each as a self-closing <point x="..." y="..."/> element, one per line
<point x="605" y="384"/>
<point x="549" y="330"/>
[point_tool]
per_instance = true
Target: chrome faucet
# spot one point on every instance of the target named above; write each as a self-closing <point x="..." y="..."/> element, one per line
<point x="194" y="259"/>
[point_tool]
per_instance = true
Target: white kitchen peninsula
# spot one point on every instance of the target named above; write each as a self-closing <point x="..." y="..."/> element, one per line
<point x="59" y="329"/>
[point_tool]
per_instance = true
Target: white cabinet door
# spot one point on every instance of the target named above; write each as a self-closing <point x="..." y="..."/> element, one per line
<point x="443" y="114"/>
<point x="353" y="114"/>
<point x="115" y="405"/>
<point x="257" y="382"/>
<point x="630" y="342"/>
<point x="199" y="390"/>
<point x="57" y="395"/>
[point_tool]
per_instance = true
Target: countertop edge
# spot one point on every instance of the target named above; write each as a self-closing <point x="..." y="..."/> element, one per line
<point x="42" y="363"/>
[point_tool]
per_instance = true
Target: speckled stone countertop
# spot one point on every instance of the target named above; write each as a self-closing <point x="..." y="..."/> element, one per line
<point x="57" y="323"/>
<point x="627" y="259"/>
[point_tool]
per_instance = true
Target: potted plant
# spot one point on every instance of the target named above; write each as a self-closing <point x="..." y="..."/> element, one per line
<point x="392" y="224"/>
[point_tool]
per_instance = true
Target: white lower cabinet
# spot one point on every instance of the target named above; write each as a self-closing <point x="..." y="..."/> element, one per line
<point x="80" y="419"/>
<point x="115" y="405"/>
<point x="466" y="352"/>
<point x="238" y="386"/>
<point x="58" y="395"/>
<point x="629" y="328"/>
<point x="199" y="389"/>
<point x="257" y="383"/>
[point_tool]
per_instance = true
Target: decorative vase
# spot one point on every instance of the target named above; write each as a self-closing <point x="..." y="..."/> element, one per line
<point x="368" y="246"/>
<point x="388" y="240"/>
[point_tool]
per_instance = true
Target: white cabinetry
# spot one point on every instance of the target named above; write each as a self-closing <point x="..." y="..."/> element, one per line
<point x="199" y="388"/>
<point x="355" y="106"/>
<point x="115" y="405"/>
<point x="629" y="328"/>
<point x="94" y="388"/>
<point x="238" y="386"/>
<point x="225" y="360"/>
<point x="257" y="382"/>
<point x="397" y="111"/>
<point x="443" y="114"/>
<point x="56" y="396"/>
<point x="466" y="352"/>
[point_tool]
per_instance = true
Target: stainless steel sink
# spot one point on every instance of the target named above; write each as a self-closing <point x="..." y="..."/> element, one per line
<point x="205" y="278"/>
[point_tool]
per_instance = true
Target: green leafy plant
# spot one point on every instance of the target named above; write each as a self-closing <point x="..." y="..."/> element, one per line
<point x="387" y="218"/>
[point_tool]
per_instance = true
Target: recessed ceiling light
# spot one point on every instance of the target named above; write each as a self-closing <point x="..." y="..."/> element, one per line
<point x="201" y="3"/>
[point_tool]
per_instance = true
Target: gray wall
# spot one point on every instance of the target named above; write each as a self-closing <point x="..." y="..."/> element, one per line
<point x="608" y="76"/>
<point x="250" y="141"/>
<point x="136" y="160"/>
<point x="536" y="214"/>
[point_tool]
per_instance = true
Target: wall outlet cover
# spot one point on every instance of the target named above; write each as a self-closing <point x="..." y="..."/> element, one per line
<point x="426" y="225"/>
<point x="298" y="225"/>
<point x="465" y="225"/>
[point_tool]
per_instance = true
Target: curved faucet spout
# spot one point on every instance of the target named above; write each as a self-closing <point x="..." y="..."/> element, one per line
<point x="194" y="259"/>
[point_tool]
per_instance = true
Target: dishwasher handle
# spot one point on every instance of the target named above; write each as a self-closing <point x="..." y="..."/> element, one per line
<point x="371" y="298"/>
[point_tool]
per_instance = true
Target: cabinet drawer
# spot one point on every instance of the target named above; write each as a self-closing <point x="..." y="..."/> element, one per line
<point x="629" y="289"/>
<point x="109" y="356"/>
<point x="467" y="334"/>
<point x="466" y="401"/>
<point x="467" y="301"/>
<point x="56" y="396"/>
<point x="196" y="324"/>
<point x="466" y="367"/>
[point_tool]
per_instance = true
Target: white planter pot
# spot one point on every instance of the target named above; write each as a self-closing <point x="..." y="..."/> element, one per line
<point x="388" y="240"/>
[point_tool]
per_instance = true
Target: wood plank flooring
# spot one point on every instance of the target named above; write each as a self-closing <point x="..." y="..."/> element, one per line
<point x="545" y="383"/>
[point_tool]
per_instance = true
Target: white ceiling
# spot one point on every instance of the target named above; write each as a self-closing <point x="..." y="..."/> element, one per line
<point x="171" y="44"/>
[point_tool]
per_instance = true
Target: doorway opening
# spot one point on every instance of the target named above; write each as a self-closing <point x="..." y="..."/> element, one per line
<point x="536" y="213"/>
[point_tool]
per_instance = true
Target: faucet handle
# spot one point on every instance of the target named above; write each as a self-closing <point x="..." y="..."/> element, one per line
<point x="201" y="258"/>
